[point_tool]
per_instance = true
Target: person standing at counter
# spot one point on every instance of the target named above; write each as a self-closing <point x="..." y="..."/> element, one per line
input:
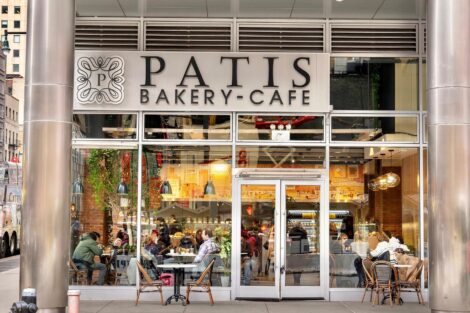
<point x="84" y="254"/>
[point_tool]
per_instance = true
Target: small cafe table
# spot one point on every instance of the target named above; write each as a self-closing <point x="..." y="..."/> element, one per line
<point x="178" y="270"/>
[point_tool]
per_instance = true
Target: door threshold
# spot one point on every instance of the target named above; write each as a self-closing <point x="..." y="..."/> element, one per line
<point x="303" y="299"/>
<point x="279" y="300"/>
<point x="259" y="299"/>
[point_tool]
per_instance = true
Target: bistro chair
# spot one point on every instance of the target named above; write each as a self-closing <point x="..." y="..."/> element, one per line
<point x="78" y="276"/>
<point x="202" y="284"/>
<point x="383" y="273"/>
<point x="147" y="282"/>
<point x="412" y="283"/>
<point x="370" y="283"/>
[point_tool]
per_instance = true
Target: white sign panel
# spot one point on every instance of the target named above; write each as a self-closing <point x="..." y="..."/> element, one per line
<point x="227" y="82"/>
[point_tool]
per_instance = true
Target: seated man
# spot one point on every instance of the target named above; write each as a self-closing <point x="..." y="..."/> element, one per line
<point x="84" y="254"/>
<point x="207" y="247"/>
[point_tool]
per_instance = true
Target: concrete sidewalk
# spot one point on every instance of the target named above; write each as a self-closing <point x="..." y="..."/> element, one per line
<point x="9" y="286"/>
<point x="250" y="307"/>
<point x="9" y="282"/>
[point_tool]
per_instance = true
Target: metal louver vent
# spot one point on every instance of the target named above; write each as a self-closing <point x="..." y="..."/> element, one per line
<point x="351" y="38"/>
<point x="281" y="38"/>
<point x="193" y="37"/>
<point x="107" y="36"/>
<point x="425" y="37"/>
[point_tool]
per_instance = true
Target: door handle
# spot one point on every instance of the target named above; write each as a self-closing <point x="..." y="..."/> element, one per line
<point x="283" y="269"/>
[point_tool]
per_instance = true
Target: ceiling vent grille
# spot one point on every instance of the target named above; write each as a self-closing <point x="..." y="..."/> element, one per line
<point x="281" y="38"/>
<point x="380" y="38"/>
<point x="194" y="37"/>
<point x="109" y="36"/>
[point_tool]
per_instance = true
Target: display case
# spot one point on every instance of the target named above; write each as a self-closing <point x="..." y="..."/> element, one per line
<point x="306" y="217"/>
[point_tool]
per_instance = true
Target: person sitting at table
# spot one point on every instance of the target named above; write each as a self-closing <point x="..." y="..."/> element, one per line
<point x="208" y="246"/>
<point x="84" y="254"/>
<point x="380" y="252"/>
<point x="122" y="234"/>
<point x="198" y="238"/>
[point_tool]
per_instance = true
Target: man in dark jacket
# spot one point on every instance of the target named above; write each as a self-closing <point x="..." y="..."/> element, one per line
<point x="84" y="255"/>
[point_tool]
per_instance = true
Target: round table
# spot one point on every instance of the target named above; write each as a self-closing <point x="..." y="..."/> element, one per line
<point x="178" y="270"/>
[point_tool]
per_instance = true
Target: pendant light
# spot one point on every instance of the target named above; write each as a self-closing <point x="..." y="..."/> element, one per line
<point x="122" y="189"/>
<point x="209" y="188"/>
<point x="393" y="180"/>
<point x="77" y="187"/>
<point x="165" y="188"/>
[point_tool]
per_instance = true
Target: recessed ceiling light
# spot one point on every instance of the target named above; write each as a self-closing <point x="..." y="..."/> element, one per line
<point x="339" y="0"/>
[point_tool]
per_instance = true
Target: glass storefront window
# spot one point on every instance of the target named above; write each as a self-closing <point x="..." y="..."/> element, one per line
<point x="374" y="83"/>
<point x="188" y="127"/>
<point x="104" y="216"/>
<point x="425" y="218"/>
<point x="374" y="128"/>
<point x="280" y="157"/>
<point x="187" y="209"/>
<point x="365" y="209"/>
<point x="424" y="85"/>
<point x="425" y="128"/>
<point x="280" y="128"/>
<point x="109" y="126"/>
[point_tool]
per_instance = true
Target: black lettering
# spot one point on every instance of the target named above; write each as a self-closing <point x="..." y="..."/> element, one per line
<point x="271" y="71"/>
<point x="208" y="96"/>
<point x="197" y="74"/>
<point x="226" y="96"/>
<point x="144" y="96"/>
<point x="235" y="69"/>
<point x="101" y="77"/>
<point x="148" y="69"/>
<point x="194" y="96"/>
<point x="302" y="72"/>
<point x="162" y="96"/>
<point x="306" y="97"/>
<point x="292" y="96"/>
<point x="178" y="94"/>
<point x="256" y="91"/>
<point x="276" y="97"/>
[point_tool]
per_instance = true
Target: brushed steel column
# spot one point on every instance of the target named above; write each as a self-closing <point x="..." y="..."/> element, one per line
<point x="449" y="154"/>
<point x="47" y="152"/>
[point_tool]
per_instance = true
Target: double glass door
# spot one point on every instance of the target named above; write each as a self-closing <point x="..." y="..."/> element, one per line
<point x="279" y="227"/>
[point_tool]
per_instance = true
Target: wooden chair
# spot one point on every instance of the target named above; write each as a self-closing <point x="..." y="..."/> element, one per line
<point x="78" y="276"/>
<point x="412" y="283"/>
<point x="369" y="276"/>
<point x="383" y="273"/>
<point x="147" y="282"/>
<point x="202" y="284"/>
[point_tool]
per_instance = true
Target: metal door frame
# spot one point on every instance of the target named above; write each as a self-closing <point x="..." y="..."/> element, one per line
<point x="276" y="291"/>
<point x="267" y="292"/>
<point x="288" y="292"/>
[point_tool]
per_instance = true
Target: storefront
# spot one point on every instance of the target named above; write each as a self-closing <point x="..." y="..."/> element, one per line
<point x="294" y="161"/>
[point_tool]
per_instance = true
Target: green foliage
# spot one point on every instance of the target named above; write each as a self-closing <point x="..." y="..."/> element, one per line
<point x="104" y="177"/>
<point x="225" y="238"/>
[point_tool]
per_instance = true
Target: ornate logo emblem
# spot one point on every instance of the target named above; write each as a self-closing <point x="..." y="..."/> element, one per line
<point x="100" y="80"/>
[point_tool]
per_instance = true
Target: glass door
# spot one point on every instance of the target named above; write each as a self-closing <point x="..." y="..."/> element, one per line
<point x="280" y="250"/>
<point x="257" y="231"/>
<point x="302" y="265"/>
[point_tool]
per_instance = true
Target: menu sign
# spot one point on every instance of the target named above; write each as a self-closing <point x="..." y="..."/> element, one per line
<point x="228" y="82"/>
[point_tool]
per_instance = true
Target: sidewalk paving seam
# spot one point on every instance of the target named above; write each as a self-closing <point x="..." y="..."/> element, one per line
<point x="347" y="307"/>
<point x="102" y="308"/>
